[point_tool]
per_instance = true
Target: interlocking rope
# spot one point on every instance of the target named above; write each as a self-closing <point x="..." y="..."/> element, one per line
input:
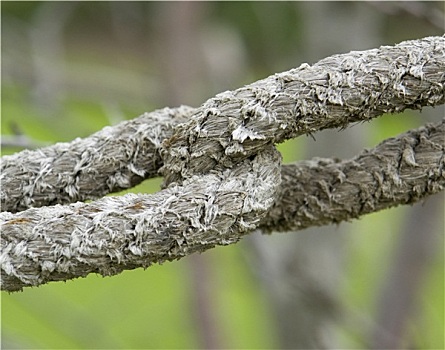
<point x="223" y="177"/>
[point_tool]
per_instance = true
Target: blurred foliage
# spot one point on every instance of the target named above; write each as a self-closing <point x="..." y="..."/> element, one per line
<point x="69" y="69"/>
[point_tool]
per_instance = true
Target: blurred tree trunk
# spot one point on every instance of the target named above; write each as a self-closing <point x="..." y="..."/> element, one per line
<point x="181" y="57"/>
<point x="397" y="303"/>
<point x="303" y="270"/>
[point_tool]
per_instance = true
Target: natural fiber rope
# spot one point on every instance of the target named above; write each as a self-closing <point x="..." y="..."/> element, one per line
<point x="222" y="172"/>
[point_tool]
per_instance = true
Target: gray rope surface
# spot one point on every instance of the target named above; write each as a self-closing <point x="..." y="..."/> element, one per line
<point x="223" y="177"/>
<point x="232" y="126"/>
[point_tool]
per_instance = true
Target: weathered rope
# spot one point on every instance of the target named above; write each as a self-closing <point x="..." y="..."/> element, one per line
<point x="401" y="170"/>
<point x="332" y="93"/>
<point x="120" y="233"/>
<point x="222" y="172"/>
<point x="110" y="160"/>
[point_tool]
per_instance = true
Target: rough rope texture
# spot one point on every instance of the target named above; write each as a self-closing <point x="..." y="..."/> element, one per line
<point x="120" y="233"/>
<point x="222" y="173"/>
<point x="333" y="92"/>
<point x="401" y="170"/>
<point x="110" y="160"/>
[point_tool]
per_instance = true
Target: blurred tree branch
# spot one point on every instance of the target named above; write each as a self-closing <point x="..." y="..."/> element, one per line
<point x="222" y="175"/>
<point x="426" y="11"/>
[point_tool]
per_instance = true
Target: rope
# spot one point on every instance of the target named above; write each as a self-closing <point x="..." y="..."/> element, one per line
<point x="222" y="174"/>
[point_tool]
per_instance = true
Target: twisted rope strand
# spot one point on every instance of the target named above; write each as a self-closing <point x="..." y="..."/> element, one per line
<point x="110" y="160"/>
<point x="401" y="170"/>
<point x="222" y="172"/>
<point x="114" y="234"/>
<point x="335" y="91"/>
<point x="119" y="233"/>
<point x="332" y="93"/>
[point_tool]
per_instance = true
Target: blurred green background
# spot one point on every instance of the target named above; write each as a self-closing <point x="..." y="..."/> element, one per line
<point x="71" y="68"/>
